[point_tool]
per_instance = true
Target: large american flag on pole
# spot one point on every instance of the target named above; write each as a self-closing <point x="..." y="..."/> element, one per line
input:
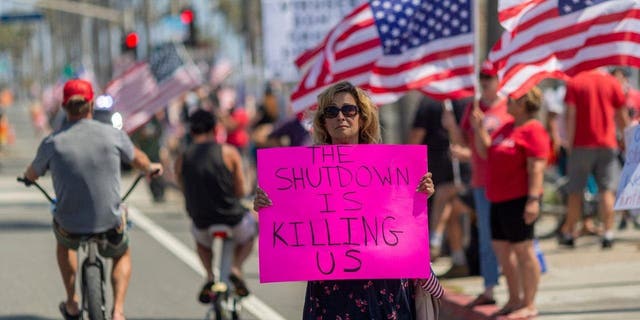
<point x="560" y="38"/>
<point x="149" y="86"/>
<point x="389" y="47"/>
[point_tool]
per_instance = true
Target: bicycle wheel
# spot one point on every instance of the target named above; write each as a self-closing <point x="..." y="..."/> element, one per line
<point x="551" y="217"/>
<point x="93" y="293"/>
<point x="552" y="208"/>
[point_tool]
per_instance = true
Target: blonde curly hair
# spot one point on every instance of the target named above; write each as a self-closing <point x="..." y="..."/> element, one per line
<point x="369" y="130"/>
<point x="532" y="100"/>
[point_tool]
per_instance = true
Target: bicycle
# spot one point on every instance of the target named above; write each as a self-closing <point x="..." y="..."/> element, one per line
<point x="225" y="303"/>
<point x="553" y="209"/>
<point x="92" y="277"/>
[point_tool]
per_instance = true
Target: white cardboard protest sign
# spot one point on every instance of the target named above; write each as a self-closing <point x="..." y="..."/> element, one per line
<point x="628" y="195"/>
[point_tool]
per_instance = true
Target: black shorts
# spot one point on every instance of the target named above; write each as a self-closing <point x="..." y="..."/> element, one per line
<point x="466" y="197"/>
<point x="441" y="168"/>
<point x="507" y="221"/>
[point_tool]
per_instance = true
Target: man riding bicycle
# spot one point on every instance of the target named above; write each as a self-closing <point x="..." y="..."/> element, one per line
<point x="212" y="180"/>
<point x="84" y="159"/>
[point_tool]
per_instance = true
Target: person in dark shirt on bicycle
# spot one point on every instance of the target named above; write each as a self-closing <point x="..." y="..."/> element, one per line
<point x="212" y="180"/>
<point x="84" y="158"/>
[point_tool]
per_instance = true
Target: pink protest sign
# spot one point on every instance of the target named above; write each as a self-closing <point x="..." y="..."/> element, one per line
<point x="343" y="212"/>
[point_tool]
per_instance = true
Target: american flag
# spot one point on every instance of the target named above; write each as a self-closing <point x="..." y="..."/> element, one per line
<point x="389" y="47"/>
<point x="147" y="87"/>
<point x="560" y="38"/>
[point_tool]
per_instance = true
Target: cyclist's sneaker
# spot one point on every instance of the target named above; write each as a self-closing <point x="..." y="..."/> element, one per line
<point x="205" y="293"/>
<point x="607" y="243"/>
<point x="566" y="241"/>
<point x="240" y="285"/>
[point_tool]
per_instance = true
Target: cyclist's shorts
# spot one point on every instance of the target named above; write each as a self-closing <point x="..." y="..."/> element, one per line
<point x="117" y="241"/>
<point x="242" y="232"/>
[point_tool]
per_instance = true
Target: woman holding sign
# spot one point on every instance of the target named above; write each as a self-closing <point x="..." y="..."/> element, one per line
<point x="346" y="115"/>
<point x="516" y="154"/>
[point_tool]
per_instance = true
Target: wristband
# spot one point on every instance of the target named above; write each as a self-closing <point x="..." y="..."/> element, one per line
<point x="534" y="198"/>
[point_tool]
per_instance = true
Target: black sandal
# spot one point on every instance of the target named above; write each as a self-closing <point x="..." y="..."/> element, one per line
<point x="480" y="300"/>
<point x="205" y="293"/>
<point x="240" y="285"/>
<point x="65" y="314"/>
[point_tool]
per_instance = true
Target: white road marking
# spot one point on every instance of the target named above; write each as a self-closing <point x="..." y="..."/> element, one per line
<point x="254" y="305"/>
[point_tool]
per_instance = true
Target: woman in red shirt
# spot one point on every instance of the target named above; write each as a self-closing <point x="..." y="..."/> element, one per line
<point x="516" y="154"/>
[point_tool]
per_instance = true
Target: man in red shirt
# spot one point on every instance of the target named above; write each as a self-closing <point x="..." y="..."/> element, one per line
<point x="594" y="99"/>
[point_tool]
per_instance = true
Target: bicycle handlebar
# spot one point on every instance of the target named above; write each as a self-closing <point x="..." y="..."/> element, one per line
<point x="135" y="183"/>
<point x="28" y="183"/>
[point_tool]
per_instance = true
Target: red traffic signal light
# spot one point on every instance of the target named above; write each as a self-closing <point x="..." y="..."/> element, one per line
<point x="131" y="40"/>
<point x="186" y="16"/>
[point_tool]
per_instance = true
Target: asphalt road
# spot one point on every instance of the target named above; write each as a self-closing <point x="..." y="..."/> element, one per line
<point x="166" y="273"/>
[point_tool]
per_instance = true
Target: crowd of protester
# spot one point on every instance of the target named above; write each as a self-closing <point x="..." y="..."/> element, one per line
<point x="498" y="149"/>
<point x="488" y="158"/>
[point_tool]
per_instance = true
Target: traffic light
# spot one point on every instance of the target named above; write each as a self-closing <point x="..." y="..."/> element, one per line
<point x="188" y="18"/>
<point x="130" y="43"/>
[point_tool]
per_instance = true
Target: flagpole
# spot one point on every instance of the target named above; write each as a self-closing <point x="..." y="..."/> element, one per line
<point x="476" y="50"/>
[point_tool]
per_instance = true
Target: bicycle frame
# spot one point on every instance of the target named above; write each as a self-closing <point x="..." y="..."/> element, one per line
<point x="225" y="304"/>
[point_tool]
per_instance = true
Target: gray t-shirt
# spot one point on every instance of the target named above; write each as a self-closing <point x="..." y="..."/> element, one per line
<point x="84" y="159"/>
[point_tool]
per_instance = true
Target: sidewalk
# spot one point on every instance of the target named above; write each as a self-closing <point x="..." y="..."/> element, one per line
<point x="582" y="283"/>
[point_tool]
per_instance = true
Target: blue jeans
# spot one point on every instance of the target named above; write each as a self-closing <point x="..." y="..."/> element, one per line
<point x="488" y="261"/>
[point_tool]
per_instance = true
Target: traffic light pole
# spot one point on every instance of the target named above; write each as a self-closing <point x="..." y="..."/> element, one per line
<point x="124" y="19"/>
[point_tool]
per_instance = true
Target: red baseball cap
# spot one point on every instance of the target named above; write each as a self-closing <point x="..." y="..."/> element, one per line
<point x="77" y="87"/>
<point x="488" y="69"/>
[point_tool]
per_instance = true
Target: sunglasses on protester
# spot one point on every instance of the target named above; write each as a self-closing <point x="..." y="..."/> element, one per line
<point x="348" y="110"/>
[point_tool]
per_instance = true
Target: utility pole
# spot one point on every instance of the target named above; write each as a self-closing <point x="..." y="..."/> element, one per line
<point x="87" y="44"/>
<point x="147" y="27"/>
<point x="493" y="30"/>
<point x="124" y="18"/>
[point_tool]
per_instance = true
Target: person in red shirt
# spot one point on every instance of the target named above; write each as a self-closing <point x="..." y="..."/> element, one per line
<point x="494" y="108"/>
<point x="517" y="155"/>
<point x="237" y="131"/>
<point x="595" y="107"/>
<point x="632" y="95"/>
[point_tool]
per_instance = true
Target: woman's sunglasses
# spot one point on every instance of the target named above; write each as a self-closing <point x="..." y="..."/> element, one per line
<point x="348" y="110"/>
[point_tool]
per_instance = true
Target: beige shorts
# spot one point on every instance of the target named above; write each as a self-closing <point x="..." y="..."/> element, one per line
<point x="117" y="241"/>
<point x="242" y="232"/>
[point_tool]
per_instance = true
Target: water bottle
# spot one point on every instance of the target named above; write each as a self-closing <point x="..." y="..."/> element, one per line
<point x="540" y="256"/>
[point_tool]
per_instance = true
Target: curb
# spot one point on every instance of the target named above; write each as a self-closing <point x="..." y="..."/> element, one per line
<point x="452" y="307"/>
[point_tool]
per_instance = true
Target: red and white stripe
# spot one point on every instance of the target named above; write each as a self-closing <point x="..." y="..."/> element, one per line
<point x="184" y="79"/>
<point x="131" y="89"/>
<point x="137" y="95"/>
<point x="432" y="285"/>
<point x="545" y="44"/>
<point x="510" y="11"/>
<point x="352" y="51"/>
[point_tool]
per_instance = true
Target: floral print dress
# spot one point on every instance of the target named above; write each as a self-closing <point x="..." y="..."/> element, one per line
<point x="391" y="299"/>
